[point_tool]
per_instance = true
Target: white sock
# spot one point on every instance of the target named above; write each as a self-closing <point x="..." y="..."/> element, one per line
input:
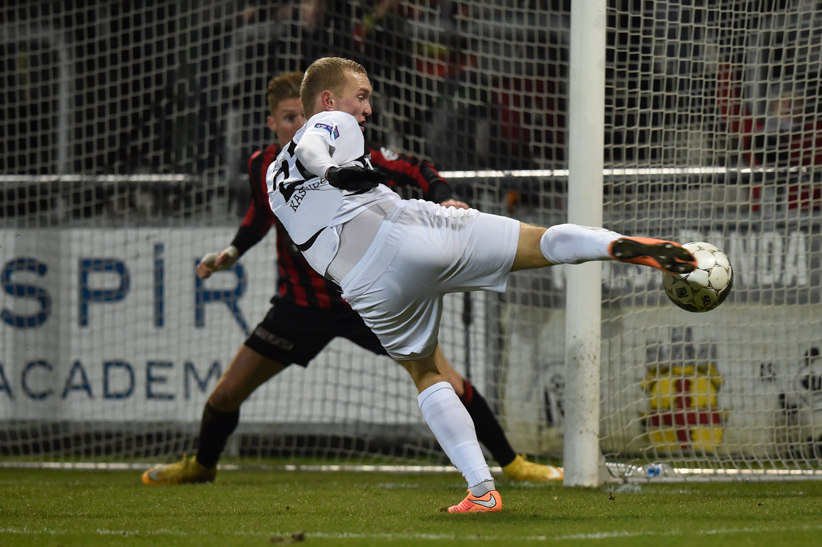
<point x="572" y="244"/>
<point x="454" y="430"/>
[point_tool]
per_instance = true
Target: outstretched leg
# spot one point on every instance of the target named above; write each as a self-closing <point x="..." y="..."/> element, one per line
<point x="572" y="244"/>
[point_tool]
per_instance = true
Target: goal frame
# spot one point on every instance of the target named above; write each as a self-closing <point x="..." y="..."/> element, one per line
<point x="584" y="289"/>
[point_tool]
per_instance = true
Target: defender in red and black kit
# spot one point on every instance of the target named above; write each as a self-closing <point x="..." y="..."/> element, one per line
<point x="308" y="312"/>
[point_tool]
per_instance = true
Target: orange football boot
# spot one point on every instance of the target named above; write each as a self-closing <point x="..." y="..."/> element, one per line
<point x="491" y="502"/>
<point x="663" y="255"/>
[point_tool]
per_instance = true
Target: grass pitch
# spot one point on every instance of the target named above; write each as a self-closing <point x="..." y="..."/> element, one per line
<point x="66" y="508"/>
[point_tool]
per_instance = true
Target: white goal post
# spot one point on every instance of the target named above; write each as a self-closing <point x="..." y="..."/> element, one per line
<point x="586" y="116"/>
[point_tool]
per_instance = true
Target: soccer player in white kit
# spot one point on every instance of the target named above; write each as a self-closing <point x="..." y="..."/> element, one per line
<point x="395" y="259"/>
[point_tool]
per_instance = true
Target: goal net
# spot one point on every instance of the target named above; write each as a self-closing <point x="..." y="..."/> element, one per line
<point x="126" y="132"/>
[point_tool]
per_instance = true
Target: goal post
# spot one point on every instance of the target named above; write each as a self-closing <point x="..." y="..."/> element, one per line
<point x="586" y="116"/>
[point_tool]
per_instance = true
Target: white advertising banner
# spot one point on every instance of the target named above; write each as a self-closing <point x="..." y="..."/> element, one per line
<point x="113" y="325"/>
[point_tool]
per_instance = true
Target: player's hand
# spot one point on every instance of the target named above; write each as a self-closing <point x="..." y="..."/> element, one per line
<point x="354" y="178"/>
<point x="455" y="203"/>
<point x="217" y="262"/>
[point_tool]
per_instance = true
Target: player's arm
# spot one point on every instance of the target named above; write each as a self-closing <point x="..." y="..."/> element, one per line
<point x="314" y="153"/>
<point x="336" y="134"/>
<point x="256" y="223"/>
<point x="406" y="170"/>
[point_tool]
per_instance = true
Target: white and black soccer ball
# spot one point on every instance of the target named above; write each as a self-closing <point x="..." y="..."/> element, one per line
<point x="707" y="286"/>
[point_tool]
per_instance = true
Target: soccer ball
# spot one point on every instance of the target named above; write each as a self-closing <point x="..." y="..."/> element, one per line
<point x="707" y="286"/>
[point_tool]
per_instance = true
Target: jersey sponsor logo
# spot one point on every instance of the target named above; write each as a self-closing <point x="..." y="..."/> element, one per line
<point x="390" y="155"/>
<point x="332" y="129"/>
<point x="489" y="503"/>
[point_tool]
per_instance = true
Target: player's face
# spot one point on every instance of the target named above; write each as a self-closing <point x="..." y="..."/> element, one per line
<point x="356" y="97"/>
<point x="288" y="118"/>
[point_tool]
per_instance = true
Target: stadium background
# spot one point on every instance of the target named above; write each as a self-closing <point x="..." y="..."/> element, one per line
<point x="126" y="130"/>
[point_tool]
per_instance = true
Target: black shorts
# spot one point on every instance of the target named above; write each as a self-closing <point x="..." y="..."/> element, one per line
<point x="296" y="334"/>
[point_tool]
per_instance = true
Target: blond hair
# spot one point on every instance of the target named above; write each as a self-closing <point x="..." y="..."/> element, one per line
<point x="328" y="73"/>
<point x="283" y="87"/>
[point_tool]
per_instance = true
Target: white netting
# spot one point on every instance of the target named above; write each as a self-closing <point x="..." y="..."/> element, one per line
<point x="734" y="87"/>
<point x="125" y="133"/>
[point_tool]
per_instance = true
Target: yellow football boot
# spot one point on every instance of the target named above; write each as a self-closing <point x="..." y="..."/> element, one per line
<point x="522" y="470"/>
<point x="186" y="471"/>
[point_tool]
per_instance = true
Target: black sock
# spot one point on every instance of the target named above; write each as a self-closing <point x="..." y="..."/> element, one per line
<point x="214" y="431"/>
<point x="489" y="432"/>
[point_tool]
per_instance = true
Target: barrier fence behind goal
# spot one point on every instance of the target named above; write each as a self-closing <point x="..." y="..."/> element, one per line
<point x="126" y="133"/>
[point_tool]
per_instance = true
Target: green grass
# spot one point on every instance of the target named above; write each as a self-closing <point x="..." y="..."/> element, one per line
<point x="249" y="508"/>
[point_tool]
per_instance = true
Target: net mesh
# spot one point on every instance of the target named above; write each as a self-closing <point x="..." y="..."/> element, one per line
<point x="127" y="128"/>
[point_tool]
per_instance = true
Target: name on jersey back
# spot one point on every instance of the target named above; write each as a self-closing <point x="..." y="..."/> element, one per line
<point x="300" y="193"/>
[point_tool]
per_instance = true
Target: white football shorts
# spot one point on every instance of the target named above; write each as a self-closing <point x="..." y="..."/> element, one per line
<point x="421" y="252"/>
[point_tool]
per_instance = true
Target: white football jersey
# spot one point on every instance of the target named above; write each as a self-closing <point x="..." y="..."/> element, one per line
<point x="310" y="209"/>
